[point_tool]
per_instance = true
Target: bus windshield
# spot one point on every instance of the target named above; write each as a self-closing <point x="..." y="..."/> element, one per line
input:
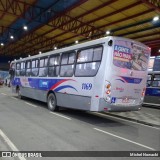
<point x="130" y="56"/>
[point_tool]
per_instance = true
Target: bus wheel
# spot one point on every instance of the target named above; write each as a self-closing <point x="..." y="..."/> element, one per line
<point x="52" y="102"/>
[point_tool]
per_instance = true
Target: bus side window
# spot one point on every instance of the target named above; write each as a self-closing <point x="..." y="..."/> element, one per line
<point x="22" y="72"/>
<point x="156" y="80"/>
<point x="28" y="68"/>
<point x="67" y="64"/>
<point x="88" y="61"/>
<point x="35" y="65"/>
<point x="155" y="83"/>
<point x="149" y="77"/>
<point x="18" y="68"/>
<point x="43" y="67"/>
<point x="157" y="77"/>
<point x="97" y="54"/>
<point x="53" y="69"/>
<point x="158" y="83"/>
<point x="149" y="83"/>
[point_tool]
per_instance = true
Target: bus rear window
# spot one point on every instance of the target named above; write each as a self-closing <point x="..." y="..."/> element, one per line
<point x="130" y="56"/>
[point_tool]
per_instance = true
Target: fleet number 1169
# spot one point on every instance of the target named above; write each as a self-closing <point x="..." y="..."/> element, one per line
<point x="87" y="86"/>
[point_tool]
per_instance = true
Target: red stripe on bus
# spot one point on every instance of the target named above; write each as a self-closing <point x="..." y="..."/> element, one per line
<point x="58" y="83"/>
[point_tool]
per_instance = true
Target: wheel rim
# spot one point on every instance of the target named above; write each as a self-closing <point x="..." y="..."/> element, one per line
<point x="52" y="102"/>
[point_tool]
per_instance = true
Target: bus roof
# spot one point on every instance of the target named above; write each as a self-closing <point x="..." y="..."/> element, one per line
<point x="81" y="45"/>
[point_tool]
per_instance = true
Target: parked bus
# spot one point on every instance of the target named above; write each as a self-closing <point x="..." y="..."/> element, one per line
<point x="152" y="96"/>
<point x="107" y="74"/>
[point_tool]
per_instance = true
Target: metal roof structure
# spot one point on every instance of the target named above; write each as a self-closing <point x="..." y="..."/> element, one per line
<point x="59" y="23"/>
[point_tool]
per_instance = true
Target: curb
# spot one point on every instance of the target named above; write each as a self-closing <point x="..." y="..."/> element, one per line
<point x="134" y="120"/>
<point x="151" y="106"/>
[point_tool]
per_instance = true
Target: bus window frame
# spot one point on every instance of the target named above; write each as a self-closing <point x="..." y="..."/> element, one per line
<point x="58" y="65"/>
<point x="152" y="80"/>
<point x="18" y="69"/>
<point x="68" y="52"/>
<point x="35" y="67"/>
<point x="95" y="46"/>
<point x="26" y="67"/>
<point x="44" y="57"/>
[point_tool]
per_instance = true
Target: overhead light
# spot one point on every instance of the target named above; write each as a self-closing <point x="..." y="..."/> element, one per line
<point x="156" y="18"/>
<point x="159" y="50"/>
<point x="107" y="32"/>
<point x="55" y="47"/>
<point x="40" y="52"/>
<point x="76" y="42"/>
<point x="25" y="28"/>
<point x="11" y="37"/>
<point x="2" y="44"/>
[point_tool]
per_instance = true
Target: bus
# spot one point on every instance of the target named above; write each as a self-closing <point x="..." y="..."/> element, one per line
<point x="106" y="74"/>
<point x="152" y="95"/>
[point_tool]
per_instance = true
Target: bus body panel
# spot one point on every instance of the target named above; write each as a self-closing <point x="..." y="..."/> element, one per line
<point x="34" y="93"/>
<point x="115" y="107"/>
<point x="152" y="100"/>
<point x="73" y="101"/>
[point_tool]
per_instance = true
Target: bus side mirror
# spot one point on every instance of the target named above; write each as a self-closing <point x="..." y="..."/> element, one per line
<point x="110" y="42"/>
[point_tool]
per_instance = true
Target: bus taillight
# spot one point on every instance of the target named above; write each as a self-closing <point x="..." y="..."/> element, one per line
<point x="108" y="86"/>
<point x="107" y="94"/>
<point x="143" y="92"/>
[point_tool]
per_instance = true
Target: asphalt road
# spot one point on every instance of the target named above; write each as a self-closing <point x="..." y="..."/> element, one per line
<point x="27" y="125"/>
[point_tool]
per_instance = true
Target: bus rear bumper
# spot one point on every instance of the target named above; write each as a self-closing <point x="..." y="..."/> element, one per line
<point x="111" y="107"/>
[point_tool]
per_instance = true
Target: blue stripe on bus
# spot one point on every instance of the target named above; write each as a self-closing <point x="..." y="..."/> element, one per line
<point x="43" y="84"/>
<point x="63" y="87"/>
<point x="131" y="80"/>
<point x="152" y="92"/>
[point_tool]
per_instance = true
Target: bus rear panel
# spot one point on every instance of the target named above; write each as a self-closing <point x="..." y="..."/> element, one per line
<point x="125" y="79"/>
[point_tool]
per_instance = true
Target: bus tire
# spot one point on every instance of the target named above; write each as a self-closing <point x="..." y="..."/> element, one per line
<point x="52" y="102"/>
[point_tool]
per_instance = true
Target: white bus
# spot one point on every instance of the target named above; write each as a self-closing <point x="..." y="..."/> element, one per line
<point x="107" y="74"/>
<point x="152" y="95"/>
